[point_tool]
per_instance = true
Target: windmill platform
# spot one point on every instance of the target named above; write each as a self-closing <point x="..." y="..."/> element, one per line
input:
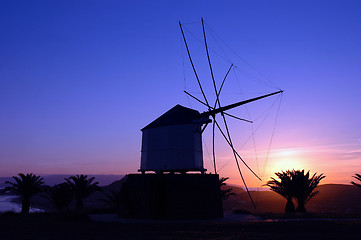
<point x="173" y="196"/>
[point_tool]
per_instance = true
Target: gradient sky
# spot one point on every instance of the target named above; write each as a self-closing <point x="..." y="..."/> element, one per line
<point x="79" y="79"/>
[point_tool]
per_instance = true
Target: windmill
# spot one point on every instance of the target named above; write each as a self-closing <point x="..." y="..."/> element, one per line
<point x="173" y="142"/>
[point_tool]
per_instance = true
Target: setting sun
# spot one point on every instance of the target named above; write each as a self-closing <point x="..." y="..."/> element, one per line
<point x="286" y="164"/>
<point x="286" y="159"/>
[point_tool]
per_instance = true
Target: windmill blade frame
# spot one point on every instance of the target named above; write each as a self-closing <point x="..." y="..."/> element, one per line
<point x="213" y="111"/>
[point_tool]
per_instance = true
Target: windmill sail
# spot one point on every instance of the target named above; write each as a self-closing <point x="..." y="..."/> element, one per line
<point x="218" y="109"/>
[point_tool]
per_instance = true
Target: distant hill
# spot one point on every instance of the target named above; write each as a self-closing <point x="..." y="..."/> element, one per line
<point x="332" y="198"/>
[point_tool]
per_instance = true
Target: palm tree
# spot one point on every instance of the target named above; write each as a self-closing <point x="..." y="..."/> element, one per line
<point x="25" y="186"/>
<point x="60" y="196"/>
<point x="296" y="185"/>
<point x="284" y="187"/>
<point x="358" y="177"/>
<point x="304" y="187"/>
<point x="81" y="187"/>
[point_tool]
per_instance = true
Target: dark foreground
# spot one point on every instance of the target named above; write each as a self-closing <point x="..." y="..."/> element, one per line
<point x="44" y="226"/>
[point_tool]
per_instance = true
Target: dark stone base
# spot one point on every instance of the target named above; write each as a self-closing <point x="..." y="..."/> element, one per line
<point x="172" y="196"/>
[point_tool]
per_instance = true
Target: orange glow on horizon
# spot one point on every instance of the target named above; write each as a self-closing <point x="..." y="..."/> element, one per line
<point x="327" y="159"/>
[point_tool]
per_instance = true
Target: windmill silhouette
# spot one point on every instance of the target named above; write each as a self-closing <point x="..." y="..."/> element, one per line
<point x="173" y="142"/>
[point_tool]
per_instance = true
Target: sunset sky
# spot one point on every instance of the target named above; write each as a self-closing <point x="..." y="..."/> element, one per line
<point x="79" y="79"/>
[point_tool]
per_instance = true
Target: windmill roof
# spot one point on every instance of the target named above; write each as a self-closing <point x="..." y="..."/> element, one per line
<point x="176" y="115"/>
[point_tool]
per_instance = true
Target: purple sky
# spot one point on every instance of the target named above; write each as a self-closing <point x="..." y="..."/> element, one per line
<point x="79" y="79"/>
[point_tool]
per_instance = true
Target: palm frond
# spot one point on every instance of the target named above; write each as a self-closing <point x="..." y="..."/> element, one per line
<point x="358" y="177"/>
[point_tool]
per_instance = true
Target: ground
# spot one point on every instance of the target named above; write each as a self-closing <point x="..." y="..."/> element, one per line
<point x="46" y="226"/>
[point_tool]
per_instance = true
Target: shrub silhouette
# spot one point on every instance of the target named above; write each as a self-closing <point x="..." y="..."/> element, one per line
<point x="25" y="186"/>
<point x="227" y="192"/>
<point x="113" y="199"/>
<point x="59" y="196"/>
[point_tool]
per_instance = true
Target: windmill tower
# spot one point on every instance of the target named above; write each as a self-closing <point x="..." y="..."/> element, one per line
<point x="173" y="142"/>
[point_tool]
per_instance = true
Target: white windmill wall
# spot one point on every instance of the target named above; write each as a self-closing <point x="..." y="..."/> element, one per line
<point x="172" y="147"/>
